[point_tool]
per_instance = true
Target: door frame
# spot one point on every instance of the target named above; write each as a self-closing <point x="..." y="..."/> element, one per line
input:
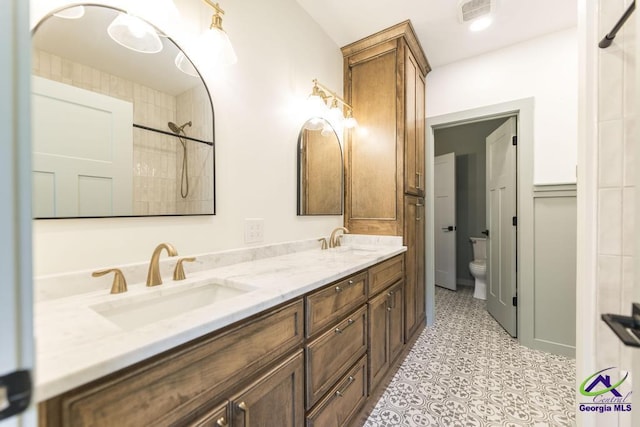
<point x="523" y="109"/>
<point x="16" y="291"/>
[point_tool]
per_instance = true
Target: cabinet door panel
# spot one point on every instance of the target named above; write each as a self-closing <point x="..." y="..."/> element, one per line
<point x="275" y="399"/>
<point x="410" y="241"/>
<point x="410" y="113"/>
<point x="378" y="355"/>
<point x="396" y="321"/>
<point x="420" y="133"/>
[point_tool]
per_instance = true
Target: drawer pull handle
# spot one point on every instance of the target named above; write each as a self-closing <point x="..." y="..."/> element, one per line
<point x="341" y="393"/>
<point x="222" y="422"/>
<point x="244" y="408"/>
<point x="338" y="289"/>
<point x="388" y="308"/>
<point x="351" y="282"/>
<point x="349" y="323"/>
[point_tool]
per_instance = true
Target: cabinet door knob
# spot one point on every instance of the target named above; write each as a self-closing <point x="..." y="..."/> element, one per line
<point x="245" y="409"/>
<point x="222" y="422"/>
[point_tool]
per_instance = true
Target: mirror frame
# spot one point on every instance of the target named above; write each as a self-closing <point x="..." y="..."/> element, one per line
<point x="212" y="143"/>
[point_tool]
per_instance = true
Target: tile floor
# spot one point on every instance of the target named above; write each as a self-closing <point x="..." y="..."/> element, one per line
<point x="467" y="371"/>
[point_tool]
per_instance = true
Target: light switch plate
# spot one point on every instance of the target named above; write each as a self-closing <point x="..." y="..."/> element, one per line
<point x="253" y="230"/>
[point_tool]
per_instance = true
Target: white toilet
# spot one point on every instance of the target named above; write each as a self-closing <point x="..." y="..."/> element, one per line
<point x="478" y="267"/>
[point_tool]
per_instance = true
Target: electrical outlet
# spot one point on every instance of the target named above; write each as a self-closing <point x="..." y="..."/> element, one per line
<point x="253" y="230"/>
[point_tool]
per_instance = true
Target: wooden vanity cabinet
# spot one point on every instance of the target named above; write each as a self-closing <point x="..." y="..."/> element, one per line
<point x="386" y="316"/>
<point x="175" y="387"/>
<point x="276" y="399"/>
<point x="384" y="81"/>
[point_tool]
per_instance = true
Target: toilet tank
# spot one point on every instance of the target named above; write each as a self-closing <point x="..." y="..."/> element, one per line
<point x="479" y="248"/>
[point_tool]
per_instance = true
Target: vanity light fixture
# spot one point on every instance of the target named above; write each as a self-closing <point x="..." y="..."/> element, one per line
<point x="216" y="41"/>
<point x="318" y="99"/>
<point x="75" y="12"/>
<point x="135" y="34"/>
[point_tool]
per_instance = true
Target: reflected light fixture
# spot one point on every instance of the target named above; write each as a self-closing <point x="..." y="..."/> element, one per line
<point x="75" y="12"/>
<point x="317" y="102"/>
<point x="135" y="34"/>
<point x="184" y="65"/>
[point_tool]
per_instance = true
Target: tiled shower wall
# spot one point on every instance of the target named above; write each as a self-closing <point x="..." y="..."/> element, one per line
<point x="616" y="187"/>
<point x="157" y="158"/>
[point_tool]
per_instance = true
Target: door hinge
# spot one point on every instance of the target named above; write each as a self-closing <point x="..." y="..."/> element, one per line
<point x="515" y="301"/>
<point x="514" y="140"/>
<point x="514" y="221"/>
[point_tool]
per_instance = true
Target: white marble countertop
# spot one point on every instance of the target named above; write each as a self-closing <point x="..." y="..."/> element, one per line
<point x="75" y="344"/>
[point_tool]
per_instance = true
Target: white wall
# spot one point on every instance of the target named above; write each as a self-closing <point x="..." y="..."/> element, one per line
<point x="258" y="114"/>
<point x="544" y="68"/>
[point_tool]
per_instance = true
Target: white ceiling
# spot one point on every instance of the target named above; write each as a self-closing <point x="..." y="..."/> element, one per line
<point x="443" y="38"/>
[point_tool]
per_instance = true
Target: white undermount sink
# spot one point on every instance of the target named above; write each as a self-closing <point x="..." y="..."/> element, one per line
<point x="161" y="304"/>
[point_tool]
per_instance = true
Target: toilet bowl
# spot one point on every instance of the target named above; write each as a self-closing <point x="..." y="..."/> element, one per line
<point x="478" y="267"/>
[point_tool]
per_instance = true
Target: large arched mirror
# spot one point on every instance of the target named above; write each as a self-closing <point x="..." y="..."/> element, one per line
<point x="320" y="172"/>
<point x="116" y="132"/>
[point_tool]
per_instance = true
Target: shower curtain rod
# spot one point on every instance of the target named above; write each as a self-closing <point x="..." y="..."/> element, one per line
<point x="135" y="125"/>
<point x="606" y="41"/>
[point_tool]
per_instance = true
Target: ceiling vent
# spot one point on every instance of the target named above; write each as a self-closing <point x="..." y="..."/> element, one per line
<point x="468" y="10"/>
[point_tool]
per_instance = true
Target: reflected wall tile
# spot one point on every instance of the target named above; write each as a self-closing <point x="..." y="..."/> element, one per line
<point x="630" y="140"/>
<point x="610" y="84"/>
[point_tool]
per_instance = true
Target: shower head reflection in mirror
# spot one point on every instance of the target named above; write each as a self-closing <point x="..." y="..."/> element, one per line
<point x="184" y="174"/>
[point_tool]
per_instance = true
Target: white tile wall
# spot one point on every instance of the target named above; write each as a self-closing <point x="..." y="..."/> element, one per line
<point x="616" y="184"/>
<point x="157" y="158"/>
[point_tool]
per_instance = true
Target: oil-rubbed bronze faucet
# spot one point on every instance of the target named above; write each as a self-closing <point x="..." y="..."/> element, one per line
<point x="334" y="240"/>
<point x="153" y="277"/>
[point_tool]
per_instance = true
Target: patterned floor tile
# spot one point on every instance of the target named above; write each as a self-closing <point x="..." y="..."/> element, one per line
<point x="467" y="371"/>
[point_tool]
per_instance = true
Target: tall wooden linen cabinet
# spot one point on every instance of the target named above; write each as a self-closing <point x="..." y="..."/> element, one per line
<point x="384" y="81"/>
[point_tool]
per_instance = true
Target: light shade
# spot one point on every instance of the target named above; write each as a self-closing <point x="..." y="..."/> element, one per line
<point x="316" y="106"/>
<point x="75" y="12"/>
<point x="481" y="23"/>
<point x="314" y="124"/>
<point x="215" y="47"/>
<point x="350" y="122"/>
<point x="135" y="34"/>
<point x="184" y="65"/>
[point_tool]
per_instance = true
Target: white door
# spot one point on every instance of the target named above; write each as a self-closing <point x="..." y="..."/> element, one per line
<point x="82" y="159"/>
<point x="16" y="336"/>
<point x="501" y="211"/>
<point x="444" y="182"/>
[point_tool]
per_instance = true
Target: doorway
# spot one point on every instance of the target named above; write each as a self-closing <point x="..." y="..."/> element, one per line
<point x="467" y="205"/>
<point x="523" y="110"/>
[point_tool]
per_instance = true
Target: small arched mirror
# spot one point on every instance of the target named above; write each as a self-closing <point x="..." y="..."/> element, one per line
<point x="116" y="131"/>
<point x="320" y="173"/>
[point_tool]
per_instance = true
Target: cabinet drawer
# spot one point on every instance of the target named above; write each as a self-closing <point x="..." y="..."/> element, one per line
<point x="334" y="302"/>
<point x="386" y="273"/>
<point x="343" y="402"/>
<point x="218" y="417"/>
<point x="166" y="389"/>
<point x="330" y="355"/>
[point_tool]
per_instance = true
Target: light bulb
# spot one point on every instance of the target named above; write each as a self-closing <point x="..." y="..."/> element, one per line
<point x="481" y="23"/>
